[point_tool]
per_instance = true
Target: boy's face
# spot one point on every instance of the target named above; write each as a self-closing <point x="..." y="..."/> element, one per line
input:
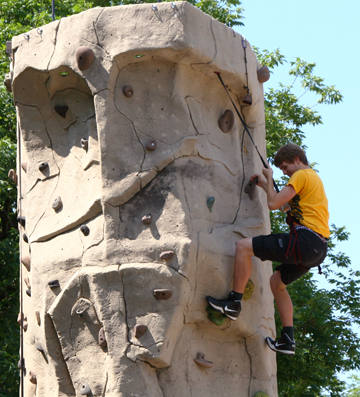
<point x="289" y="168"/>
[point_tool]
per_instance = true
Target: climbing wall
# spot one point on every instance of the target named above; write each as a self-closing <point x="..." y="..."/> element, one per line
<point x="132" y="165"/>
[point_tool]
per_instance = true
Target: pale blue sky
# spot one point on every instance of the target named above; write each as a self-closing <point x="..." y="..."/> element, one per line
<point x="325" y="32"/>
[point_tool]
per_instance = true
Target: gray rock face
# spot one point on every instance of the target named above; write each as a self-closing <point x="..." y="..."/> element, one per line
<point x="133" y="194"/>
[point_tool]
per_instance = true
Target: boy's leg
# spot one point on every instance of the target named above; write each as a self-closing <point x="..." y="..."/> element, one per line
<point x="282" y="299"/>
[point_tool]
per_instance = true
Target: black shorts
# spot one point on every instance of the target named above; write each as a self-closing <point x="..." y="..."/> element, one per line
<point x="309" y="251"/>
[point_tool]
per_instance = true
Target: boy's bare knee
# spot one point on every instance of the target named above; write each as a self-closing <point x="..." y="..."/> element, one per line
<point x="276" y="283"/>
<point x="244" y="246"/>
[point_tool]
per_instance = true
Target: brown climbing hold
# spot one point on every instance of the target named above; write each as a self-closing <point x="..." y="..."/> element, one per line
<point x="140" y="330"/>
<point x="162" y="294"/>
<point x="102" y="337"/>
<point x="25" y="260"/>
<point x="84" y="144"/>
<point x="61" y="110"/>
<point x="248" y="99"/>
<point x="24" y="166"/>
<point x="200" y="360"/>
<point x="24" y="321"/>
<point x="43" y="166"/>
<point x="21" y="364"/>
<point x="8" y="82"/>
<point x="167" y="255"/>
<point x="85" y="230"/>
<point x="32" y="377"/>
<point x="27" y="282"/>
<point x="54" y="284"/>
<point x="151" y="145"/>
<point x="57" y="204"/>
<point x="84" y="57"/>
<point x="12" y="175"/>
<point x="147" y="219"/>
<point x="263" y="74"/>
<point x="37" y="315"/>
<point x="128" y="91"/>
<point x="28" y="292"/>
<point x="226" y="121"/>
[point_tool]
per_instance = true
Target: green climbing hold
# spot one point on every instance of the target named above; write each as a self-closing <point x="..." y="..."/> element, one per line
<point x="215" y="316"/>
<point x="249" y="289"/>
<point x="210" y="202"/>
<point x="261" y="394"/>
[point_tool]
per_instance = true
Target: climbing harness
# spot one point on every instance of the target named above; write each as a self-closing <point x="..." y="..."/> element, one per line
<point x="246" y="128"/>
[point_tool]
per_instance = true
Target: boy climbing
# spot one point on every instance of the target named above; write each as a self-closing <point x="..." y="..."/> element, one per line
<point x="298" y="251"/>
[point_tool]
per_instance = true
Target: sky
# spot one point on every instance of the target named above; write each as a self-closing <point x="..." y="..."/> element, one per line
<point x="325" y="32"/>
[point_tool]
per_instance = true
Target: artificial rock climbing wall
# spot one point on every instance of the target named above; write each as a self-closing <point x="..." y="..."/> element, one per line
<point x="131" y="177"/>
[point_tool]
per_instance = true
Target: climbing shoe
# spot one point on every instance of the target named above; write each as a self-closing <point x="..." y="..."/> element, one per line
<point x="283" y="345"/>
<point x="230" y="307"/>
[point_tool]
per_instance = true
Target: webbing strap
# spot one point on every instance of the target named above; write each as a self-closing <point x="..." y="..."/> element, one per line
<point x="246" y="128"/>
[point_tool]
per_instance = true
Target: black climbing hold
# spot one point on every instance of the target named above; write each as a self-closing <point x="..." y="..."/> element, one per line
<point x="61" y="110"/>
<point x="128" y="91"/>
<point x="85" y="230"/>
<point x="140" y="330"/>
<point x="210" y="202"/>
<point x="25" y="238"/>
<point x="248" y="99"/>
<point x="57" y="204"/>
<point x="85" y="389"/>
<point x="28" y="292"/>
<point x="54" y="284"/>
<point x="84" y="144"/>
<point x="147" y="219"/>
<point x="167" y="255"/>
<point x="162" y="294"/>
<point x="21" y="220"/>
<point x="226" y="121"/>
<point x="102" y="338"/>
<point x="43" y="166"/>
<point x="151" y="145"/>
<point x="84" y="57"/>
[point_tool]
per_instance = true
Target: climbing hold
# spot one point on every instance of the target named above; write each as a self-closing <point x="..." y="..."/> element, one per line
<point x="84" y="144"/>
<point x="215" y="317"/>
<point x="140" y="330"/>
<point x="24" y="321"/>
<point x="147" y="219"/>
<point x="85" y="389"/>
<point x="261" y="394"/>
<point x="28" y="292"/>
<point x="21" y="364"/>
<point x="27" y="282"/>
<point x="32" y="377"/>
<point x="8" y="82"/>
<point x="25" y="260"/>
<point x="21" y="220"/>
<point x="54" y="284"/>
<point x="210" y="202"/>
<point x="80" y="312"/>
<point x="128" y="91"/>
<point x="85" y="230"/>
<point x="151" y="145"/>
<point x="167" y="255"/>
<point x="162" y="294"/>
<point x="226" y="121"/>
<point x="200" y="360"/>
<point x="250" y="188"/>
<point x="84" y="57"/>
<point x="43" y="166"/>
<point x="25" y="238"/>
<point x="57" y="204"/>
<point x="12" y="175"/>
<point x="249" y="289"/>
<point x="40" y="348"/>
<point x="37" y="315"/>
<point x="61" y="110"/>
<point x="248" y="99"/>
<point x="24" y="166"/>
<point x="263" y="74"/>
<point x="102" y="337"/>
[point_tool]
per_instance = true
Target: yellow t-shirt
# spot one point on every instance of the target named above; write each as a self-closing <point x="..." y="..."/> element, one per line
<point x="310" y="205"/>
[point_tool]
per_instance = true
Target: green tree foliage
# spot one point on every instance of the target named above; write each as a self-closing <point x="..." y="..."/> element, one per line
<point x="326" y="342"/>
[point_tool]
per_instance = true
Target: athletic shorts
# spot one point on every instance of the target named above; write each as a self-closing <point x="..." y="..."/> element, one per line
<point x="274" y="247"/>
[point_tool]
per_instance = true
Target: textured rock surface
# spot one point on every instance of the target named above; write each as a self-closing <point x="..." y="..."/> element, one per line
<point x="152" y="199"/>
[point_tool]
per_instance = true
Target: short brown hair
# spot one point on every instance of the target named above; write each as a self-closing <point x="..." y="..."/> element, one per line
<point x="288" y="153"/>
